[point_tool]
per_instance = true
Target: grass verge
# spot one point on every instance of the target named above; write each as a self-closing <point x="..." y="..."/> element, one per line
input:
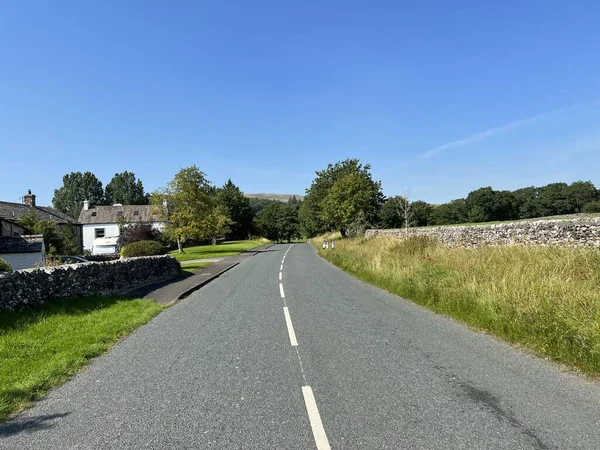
<point x="194" y="267"/>
<point x="42" y="347"/>
<point x="228" y="248"/>
<point x="544" y="298"/>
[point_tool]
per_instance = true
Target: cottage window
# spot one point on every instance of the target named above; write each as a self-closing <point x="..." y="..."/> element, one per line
<point x="99" y="232"/>
<point x="93" y="213"/>
<point x="136" y="213"/>
<point x="119" y="213"/>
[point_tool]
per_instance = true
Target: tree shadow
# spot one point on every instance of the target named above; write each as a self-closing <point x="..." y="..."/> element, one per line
<point x="30" y="424"/>
<point x="145" y="290"/>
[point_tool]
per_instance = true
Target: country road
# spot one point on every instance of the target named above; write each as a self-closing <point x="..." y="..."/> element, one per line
<point x="286" y="351"/>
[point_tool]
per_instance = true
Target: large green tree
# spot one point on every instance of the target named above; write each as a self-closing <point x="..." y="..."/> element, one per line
<point x="279" y="222"/>
<point x="527" y="202"/>
<point x="76" y="188"/>
<point x="553" y="199"/>
<point x="421" y="213"/>
<point x="339" y="197"/>
<point x="191" y="209"/>
<point x="480" y="205"/>
<point x="450" y="213"/>
<point x="237" y="207"/>
<point x="125" y="189"/>
<point x="581" y="193"/>
<point x="391" y="213"/>
<point x="486" y="205"/>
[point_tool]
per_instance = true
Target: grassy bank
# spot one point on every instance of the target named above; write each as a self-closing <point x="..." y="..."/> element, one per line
<point x="42" y="347"/>
<point x="544" y="298"/>
<point x="228" y="248"/>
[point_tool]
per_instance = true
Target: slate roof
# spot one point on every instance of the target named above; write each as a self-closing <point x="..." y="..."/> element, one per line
<point x="110" y="214"/>
<point x="14" y="211"/>
<point x="22" y="244"/>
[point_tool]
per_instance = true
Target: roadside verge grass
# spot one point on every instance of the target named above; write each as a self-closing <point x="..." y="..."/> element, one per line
<point x="194" y="268"/>
<point x="228" y="248"/>
<point x="42" y="347"/>
<point x="546" y="299"/>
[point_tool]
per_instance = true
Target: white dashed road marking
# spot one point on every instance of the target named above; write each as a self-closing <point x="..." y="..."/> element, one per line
<point x="316" y="424"/>
<point x="290" y="327"/>
<point x="315" y="419"/>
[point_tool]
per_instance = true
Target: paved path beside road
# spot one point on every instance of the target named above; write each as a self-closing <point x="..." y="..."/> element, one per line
<point x="202" y="260"/>
<point x="178" y="288"/>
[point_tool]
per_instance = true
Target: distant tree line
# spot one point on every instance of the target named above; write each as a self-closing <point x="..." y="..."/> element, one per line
<point x="487" y="205"/>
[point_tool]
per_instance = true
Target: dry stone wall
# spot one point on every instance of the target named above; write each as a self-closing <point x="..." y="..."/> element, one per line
<point x="25" y="288"/>
<point x="574" y="232"/>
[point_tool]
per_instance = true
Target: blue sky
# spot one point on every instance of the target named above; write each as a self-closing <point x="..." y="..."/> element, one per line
<point x="440" y="97"/>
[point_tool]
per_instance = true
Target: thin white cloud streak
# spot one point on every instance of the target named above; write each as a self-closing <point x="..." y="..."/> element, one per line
<point x="494" y="131"/>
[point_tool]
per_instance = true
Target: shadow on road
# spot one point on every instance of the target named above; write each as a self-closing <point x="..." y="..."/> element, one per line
<point x="29" y="424"/>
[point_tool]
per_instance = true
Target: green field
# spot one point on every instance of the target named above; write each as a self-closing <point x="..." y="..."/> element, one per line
<point x="42" y="347"/>
<point x="543" y="298"/>
<point x="228" y="248"/>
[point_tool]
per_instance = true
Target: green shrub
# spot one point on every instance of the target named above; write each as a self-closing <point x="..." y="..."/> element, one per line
<point x="143" y="248"/>
<point x="592" y="207"/>
<point x="4" y="266"/>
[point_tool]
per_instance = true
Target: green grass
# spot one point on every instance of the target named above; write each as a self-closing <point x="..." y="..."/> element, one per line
<point x="546" y="299"/>
<point x="194" y="267"/>
<point x="42" y="347"/>
<point x="229" y="248"/>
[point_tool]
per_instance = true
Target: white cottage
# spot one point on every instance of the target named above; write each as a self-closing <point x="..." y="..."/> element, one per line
<point x="103" y="221"/>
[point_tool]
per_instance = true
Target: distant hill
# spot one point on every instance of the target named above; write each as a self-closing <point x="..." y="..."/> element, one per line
<point x="280" y="197"/>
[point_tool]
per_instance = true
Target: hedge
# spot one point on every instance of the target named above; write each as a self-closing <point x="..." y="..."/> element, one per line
<point x="143" y="248"/>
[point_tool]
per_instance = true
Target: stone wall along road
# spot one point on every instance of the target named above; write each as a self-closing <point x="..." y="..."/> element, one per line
<point x="577" y="232"/>
<point x="25" y="288"/>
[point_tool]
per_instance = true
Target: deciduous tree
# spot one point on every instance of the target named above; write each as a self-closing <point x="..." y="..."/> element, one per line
<point x="449" y="213"/>
<point x="237" y="207"/>
<point x="190" y="207"/>
<point x="279" y="222"/>
<point x="125" y="189"/>
<point x="391" y="216"/>
<point x="582" y="192"/>
<point x="421" y="213"/>
<point x="58" y="239"/>
<point x="138" y="232"/>
<point x="327" y="207"/>
<point x="76" y="188"/>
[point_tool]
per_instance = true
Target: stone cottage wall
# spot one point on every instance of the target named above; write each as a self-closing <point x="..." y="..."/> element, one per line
<point x="576" y="232"/>
<point x="25" y="288"/>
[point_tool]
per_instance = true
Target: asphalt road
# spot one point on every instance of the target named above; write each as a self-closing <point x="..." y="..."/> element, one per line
<point x="316" y="360"/>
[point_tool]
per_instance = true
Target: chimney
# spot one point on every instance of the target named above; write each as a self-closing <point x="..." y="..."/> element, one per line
<point x="29" y="199"/>
<point x="86" y="205"/>
<point x="165" y="203"/>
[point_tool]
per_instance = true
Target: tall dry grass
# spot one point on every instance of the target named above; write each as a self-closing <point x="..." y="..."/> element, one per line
<point x="544" y="298"/>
